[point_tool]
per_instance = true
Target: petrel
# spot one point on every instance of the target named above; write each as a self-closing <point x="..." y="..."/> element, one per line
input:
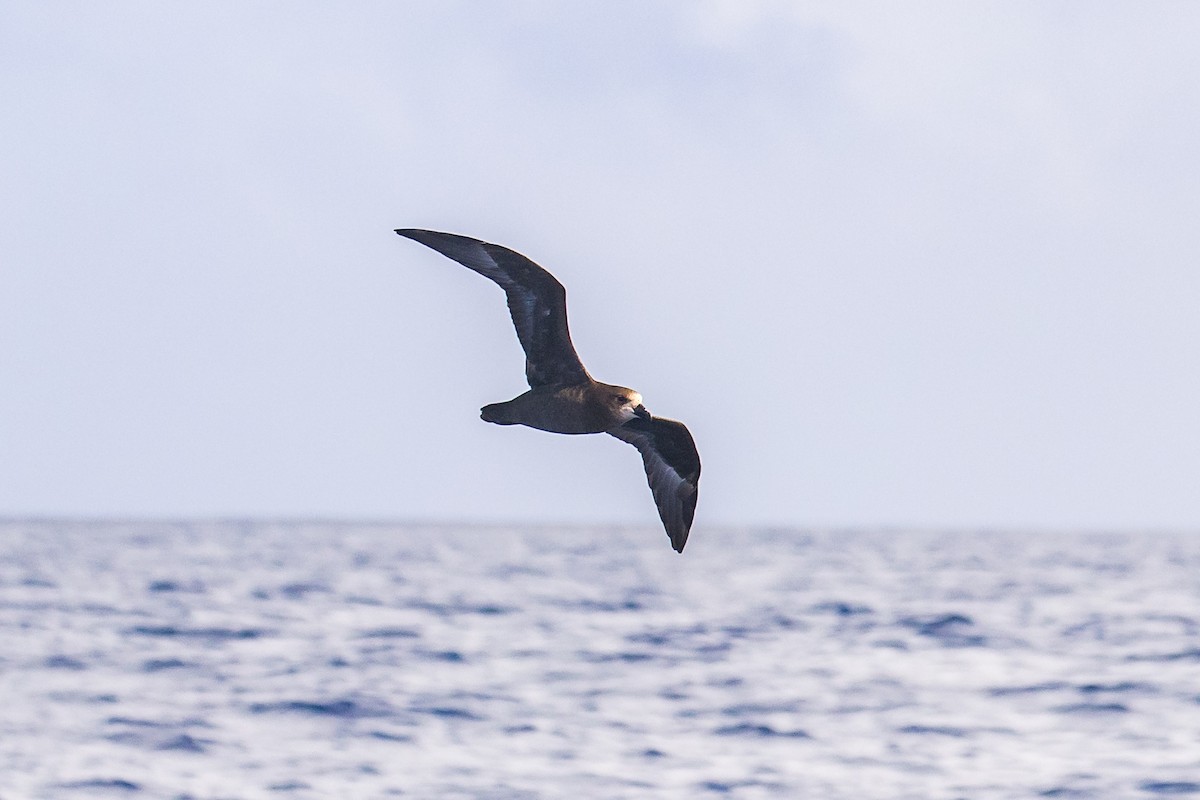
<point x="563" y="397"/>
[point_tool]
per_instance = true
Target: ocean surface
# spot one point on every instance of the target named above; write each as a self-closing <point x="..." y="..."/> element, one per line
<point x="229" y="660"/>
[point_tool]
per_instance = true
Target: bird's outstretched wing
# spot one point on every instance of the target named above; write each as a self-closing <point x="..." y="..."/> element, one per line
<point x="537" y="302"/>
<point x="672" y="468"/>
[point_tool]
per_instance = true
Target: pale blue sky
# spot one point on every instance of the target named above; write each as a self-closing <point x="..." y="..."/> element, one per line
<point x="894" y="264"/>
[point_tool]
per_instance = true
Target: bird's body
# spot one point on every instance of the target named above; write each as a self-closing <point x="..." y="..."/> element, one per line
<point x="590" y="407"/>
<point x="563" y="397"/>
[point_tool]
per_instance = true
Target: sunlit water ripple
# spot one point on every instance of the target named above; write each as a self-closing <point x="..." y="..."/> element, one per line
<point x="324" y="660"/>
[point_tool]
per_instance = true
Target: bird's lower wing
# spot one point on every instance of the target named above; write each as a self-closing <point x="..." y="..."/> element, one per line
<point x="672" y="469"/>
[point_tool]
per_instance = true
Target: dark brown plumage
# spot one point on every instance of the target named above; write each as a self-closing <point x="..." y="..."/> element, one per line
<point x="563" y="397"/>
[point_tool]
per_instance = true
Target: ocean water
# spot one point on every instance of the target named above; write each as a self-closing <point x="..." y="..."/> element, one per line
<point x="324" y="660"/>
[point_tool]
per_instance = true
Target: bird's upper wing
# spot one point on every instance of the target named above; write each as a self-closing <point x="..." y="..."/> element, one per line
<point x="537" y="301"/>
<point x="672" y="468"/>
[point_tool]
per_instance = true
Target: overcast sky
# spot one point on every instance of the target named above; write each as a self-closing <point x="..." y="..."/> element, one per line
<point x="912" y="264"/>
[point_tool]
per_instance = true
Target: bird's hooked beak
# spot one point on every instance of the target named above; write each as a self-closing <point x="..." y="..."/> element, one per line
<point x="640" y="411"/>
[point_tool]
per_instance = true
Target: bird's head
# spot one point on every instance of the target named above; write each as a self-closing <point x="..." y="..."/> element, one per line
<point x="627" y="403"/>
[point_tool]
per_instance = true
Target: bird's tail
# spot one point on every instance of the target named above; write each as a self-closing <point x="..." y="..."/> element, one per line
<point x="497" y="413"/>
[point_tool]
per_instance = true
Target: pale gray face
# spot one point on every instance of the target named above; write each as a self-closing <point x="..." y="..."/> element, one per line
<point x="628" y="404"/>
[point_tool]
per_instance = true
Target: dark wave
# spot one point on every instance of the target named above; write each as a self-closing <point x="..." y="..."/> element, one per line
<point x="1190" y="654"/>
<point x="955" y="630"/>
<point x="934" y="730"/>
<point x="215" y="634"/>
<point x="1093" y="708"/>
<point x="1037" y="688"/>
<point x="448" y="712"/>
<point x="390" y="633"/>
<point x="104" y="784"/>
<point x="1170" y="787"/>
<point x="842" y="608"/>
<point x="759" y="730"/>
<point x="459" y="607"/>
<point x="340" y="709"/>
<point x="64" y="662"/>
<point x="160" y="664"/>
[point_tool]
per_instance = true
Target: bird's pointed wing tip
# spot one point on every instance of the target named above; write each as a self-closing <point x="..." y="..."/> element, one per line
<point x="422" y="234"/>
<point x="679" y="536"/>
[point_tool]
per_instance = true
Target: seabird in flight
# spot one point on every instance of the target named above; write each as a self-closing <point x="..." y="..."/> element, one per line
<point x="563" y="397"/>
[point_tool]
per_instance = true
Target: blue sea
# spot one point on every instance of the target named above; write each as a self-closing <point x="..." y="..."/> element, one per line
<point x="246" y="659"/>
